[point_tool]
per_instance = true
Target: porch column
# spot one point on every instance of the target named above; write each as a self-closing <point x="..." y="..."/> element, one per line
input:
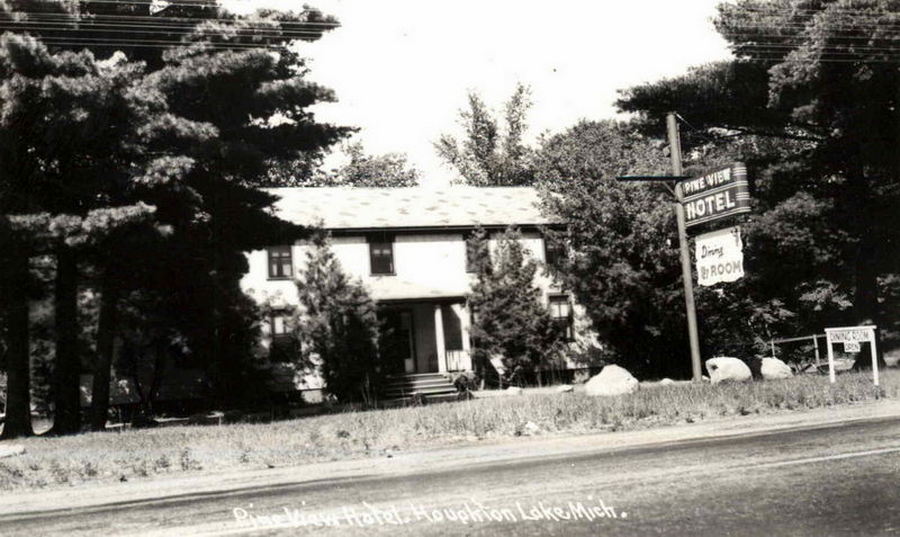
<point x="462" y="313"/>
<point x="439" y="338"/>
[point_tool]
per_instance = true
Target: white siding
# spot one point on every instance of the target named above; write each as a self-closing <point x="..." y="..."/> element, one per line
<point x="433" y="263"/>
<point x="428" y="261"/>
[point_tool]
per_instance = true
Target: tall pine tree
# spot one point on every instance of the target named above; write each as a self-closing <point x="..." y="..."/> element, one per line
<point x="225" y="95"/>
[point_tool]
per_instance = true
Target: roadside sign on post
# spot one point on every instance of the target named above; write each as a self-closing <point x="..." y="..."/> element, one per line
<point x="719" y="256"/>
<point x="718" y="194"/>
<point x="852" y="337"/>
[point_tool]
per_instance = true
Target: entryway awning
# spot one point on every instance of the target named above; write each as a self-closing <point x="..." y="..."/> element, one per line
<point x="393" y="288"/>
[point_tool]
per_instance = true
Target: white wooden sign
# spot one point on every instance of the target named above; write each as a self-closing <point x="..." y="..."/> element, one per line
<point x="720" y="256"/>
<point x="852" y="337"/>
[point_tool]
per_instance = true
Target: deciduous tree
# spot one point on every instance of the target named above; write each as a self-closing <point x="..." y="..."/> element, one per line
<point x="488" y="154"/>
<point x="623" y="265"/>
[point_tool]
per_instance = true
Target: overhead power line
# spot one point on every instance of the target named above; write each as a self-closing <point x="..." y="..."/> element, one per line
<point x="93" y="18"/>
<point x="209" y="4"/>
<point x="245" y="32"/>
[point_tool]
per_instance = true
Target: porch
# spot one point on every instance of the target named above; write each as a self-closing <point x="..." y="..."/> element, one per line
<point x="426" y="336"/>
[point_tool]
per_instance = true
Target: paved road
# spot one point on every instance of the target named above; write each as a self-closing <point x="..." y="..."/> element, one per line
<point x="839" y="479"/>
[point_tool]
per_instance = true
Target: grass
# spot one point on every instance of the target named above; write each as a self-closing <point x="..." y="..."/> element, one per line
<point x="136" y="454"/>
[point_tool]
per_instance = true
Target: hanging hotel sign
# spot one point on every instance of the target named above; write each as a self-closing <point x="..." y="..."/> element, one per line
<point x="716" y="195"/>
<point x="719" y="256"/>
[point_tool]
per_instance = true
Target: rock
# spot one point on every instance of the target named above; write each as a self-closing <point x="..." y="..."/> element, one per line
<point x="724" y="368"/>
<point x="565" y="388"/>
<point x="11" y="450"/>
<point x="773" y="368"/>
<point x="513" y="390"/>
<point x="666" y="382"/>
<point x="612" y="380"/>
<point x="892" y="358"/>
<point x="531" y="428"/>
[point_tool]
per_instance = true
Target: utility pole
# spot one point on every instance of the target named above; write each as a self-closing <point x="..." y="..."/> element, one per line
<point x="684" y="246"/>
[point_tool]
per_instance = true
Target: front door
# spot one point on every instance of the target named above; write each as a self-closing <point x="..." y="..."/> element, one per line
<point x="397" y="343"/>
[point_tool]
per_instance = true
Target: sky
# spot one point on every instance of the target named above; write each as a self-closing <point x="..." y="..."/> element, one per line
<point x="402" y="69"/>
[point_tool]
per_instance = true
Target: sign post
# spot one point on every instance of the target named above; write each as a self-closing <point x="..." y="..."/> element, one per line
<point x="701" y="199"/>
<point x="851" y="337"/>
<point x="684" y="246"/>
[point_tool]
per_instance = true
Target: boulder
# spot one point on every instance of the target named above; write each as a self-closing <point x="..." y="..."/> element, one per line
<point x="565" y="388"/>
<point x="513" y="390"/>
<point x="666" y="382"/>
<point x="531" y="428"/>
<point x="612" y="380"/>
<point x="725" y="368"/>
<point x="773" y="368"/>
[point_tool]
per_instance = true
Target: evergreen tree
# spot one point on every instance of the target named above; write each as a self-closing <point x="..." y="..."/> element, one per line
<point x="75" y="133"/>
<point x="338" y="326"/>
<point x="818" y="79"/>
<point x="205" y="113"/>
<point x="510" y="319"/>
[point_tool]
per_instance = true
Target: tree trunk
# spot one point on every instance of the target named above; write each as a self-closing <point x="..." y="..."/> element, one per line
<point x="866" y="262"/>
<point x="106" y="330"/>
<point x="865" y="300"/>
<point x="66" y="369"/>
<point x="18" y="366"/>
<point x="159" y="367"/>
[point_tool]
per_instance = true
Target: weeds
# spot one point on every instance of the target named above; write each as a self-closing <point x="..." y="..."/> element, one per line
<point x="141" y="453"/>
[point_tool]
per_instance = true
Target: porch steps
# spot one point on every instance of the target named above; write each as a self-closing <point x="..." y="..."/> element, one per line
<point x="429" y="385"/>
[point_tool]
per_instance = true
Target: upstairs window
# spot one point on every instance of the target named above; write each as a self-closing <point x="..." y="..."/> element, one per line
<point x="381" y="257"/>
<point x="281" y="264"/>
<point x="561" y="313"/>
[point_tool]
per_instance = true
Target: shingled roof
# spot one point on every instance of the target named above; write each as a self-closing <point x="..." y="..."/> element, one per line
<point x="410" y="208"/>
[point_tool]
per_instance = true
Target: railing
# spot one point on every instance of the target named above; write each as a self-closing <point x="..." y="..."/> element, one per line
<point x="458" y="360"/>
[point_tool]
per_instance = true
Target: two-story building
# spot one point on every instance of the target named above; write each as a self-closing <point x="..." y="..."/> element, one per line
<point x="408" y="246"/>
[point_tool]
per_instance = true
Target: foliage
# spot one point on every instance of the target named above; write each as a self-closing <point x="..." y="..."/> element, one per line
<point x="510" y="318"/>
<point x="624" y="264"/>
<point x="98" y="25"/>
<point x="337" y="326"/>
<point x="76" y="131"/>
<point x="819" y="80"/>
<point x="489" y="155"/>
<point x="172" y="146"/>
<point x="388" y="170"/>
<point x="363" y="170"/>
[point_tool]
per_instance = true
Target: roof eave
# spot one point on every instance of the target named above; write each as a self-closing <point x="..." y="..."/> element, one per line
<point x="433" y="229"/>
